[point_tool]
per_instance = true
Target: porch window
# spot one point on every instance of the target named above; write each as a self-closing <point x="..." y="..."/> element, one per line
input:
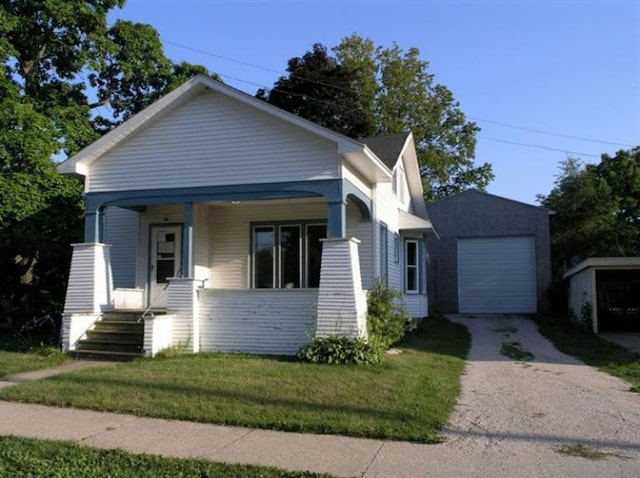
<point x="287" y="255"/>
<point x="411" y="266"/>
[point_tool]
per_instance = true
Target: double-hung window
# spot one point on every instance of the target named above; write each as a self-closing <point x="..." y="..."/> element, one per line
<point x="411" y="275"/>
<point x="287" y="255"/>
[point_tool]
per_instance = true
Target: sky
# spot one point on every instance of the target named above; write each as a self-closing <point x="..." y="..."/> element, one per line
<point x="517" y="67"/>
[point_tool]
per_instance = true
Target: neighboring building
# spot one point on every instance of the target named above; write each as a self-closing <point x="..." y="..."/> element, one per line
<point x="493" y="255"/>
<point x="244" y="227"/>
<point x="605" y="291"/>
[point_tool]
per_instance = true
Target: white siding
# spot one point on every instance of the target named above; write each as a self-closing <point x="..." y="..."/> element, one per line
<point x="90" y="283"/>
<point x="582" y="290"/>
<point x="386" y="210"/>
<point x="213" y="140"/>
<point x="257" y="321"/>
<point x="362" y="230"/>
<point x="342" y="304"/>
<point x="121" y="231"/>
<point x="183" y="306"/>
<point x="231" y="233"/>
<point x="497" y="275"/>
<point x="202" y="242"/>
<point x="417" y="305"/>
<point x="357" y="180"/>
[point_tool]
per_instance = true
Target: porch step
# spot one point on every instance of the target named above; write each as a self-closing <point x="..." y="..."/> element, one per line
<point x="118" y="336"/>
<point x="103" y="355"/>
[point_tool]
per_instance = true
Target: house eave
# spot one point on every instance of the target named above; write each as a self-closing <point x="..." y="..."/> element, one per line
<point x="366" y="163"/>
<point x="600" y="263"/>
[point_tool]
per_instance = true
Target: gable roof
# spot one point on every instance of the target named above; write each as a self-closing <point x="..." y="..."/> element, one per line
<point x="387" y="147"/>
<point x="351" y="150"/>
<point x="474" y="191"/>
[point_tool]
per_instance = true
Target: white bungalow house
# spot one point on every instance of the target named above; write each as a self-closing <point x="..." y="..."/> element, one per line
<point x="232" y="225"/>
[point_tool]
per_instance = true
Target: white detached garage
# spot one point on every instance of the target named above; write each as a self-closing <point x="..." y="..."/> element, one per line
<point x="492" y="256"/>
<point x="497" y="275"/>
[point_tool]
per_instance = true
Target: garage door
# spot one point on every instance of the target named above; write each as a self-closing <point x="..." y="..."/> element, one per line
<point x="496" y="275"/>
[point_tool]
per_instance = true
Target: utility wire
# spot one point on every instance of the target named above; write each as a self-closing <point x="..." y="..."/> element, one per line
<point x="475" y="118"/>
<point x="539" y="146"/>
<point x="524" y="128"/>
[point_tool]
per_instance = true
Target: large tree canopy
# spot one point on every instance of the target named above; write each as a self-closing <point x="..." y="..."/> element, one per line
<point x="597" y="209"/>
<point x="367" y="90"/>
<point x="67" y="77"/>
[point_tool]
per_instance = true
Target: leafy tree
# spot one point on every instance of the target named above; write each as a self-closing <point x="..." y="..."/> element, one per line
<point x="318" y="88"/>
<point x="597" y="209"/>
<point x="367" y="90"/>
<point x="67" y="77"/>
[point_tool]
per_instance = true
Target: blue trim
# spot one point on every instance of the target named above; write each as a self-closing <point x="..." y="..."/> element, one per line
<point x="94" y="226"/>
<point x="329" y="188"/>
<point x="360" y="199"/>
<point x="187" y="241"/>
<point x="336" y="222"/>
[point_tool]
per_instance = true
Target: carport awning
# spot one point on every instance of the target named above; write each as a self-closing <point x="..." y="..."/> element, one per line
<point x="410" y="223"/>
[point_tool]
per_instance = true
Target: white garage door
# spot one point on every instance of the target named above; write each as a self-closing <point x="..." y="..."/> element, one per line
<point x="497" y="275"/>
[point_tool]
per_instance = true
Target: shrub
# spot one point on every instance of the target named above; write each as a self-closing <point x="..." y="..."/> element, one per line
<point x="388" y="319"/>
<point x="341" y="350"/>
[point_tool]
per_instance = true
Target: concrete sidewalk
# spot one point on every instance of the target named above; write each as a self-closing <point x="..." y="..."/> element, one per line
<point x="338" y="455"/>
<point x="70" y="366"/>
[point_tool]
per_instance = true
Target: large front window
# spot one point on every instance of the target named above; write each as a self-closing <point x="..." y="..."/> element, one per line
<point x="287" y="255"/>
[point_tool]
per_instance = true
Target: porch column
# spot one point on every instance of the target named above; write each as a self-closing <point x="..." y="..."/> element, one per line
<point x="187" y="241"/>
<point x="182" y="304"/>
<point x="90" y="284"/>
<point x="342" y="304"/>
<point x="94" y="225"/>
<point x="336" y="224"/>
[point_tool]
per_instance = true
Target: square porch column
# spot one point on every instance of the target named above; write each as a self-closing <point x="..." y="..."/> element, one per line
<point x="182" y="304"/>
<point x="342" y="304"/>
<point x="90" y="285"/>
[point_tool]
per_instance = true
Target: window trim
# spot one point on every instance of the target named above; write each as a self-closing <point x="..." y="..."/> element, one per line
<point x="303" y="225"/>
<point x="384" y="253"/>
<point x="415" y="266"/>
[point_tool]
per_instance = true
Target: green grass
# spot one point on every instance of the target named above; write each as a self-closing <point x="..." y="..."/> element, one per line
<point x="585" y="451"/>
<point x="515" y="351"/>
<point x="18" y="356"/>
<point x="407" y="397"/>
<point x="591" y="349"/>
<point x="23" y="457"/>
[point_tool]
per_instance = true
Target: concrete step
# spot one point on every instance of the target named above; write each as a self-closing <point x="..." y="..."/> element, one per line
<point x="107" y="346"/>
<point x="89" y="354"/>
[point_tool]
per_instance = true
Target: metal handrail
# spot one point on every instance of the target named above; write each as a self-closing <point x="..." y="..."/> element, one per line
<point x="151" y="304"/>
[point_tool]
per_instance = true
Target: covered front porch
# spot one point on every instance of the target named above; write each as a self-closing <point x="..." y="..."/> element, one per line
<point x="259" y="269"/>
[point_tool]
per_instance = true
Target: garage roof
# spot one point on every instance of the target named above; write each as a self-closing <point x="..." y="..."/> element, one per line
<point x="604" y="263"/>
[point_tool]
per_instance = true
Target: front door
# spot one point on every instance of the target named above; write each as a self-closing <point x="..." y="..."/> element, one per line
<point x="164" y="262"/>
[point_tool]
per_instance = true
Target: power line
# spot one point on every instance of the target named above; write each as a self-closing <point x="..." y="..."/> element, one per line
<point x="524" y="128"/>
<point x="539" y="146"/>
<point x="280" y="72"/>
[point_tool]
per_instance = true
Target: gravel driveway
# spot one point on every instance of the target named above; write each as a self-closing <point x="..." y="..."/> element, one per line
<point x="515" y="417"/>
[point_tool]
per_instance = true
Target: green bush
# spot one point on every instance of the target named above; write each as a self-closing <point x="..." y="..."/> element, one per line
<point x="341" y="350"/>
<point x="388" y="320"/>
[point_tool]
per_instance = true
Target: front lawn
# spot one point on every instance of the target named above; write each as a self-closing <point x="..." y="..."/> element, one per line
<point x="407" y="397"/>
<point x="591" y="349"/>
<point x="25" y="457"/>
<point x="18" y="355"/>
